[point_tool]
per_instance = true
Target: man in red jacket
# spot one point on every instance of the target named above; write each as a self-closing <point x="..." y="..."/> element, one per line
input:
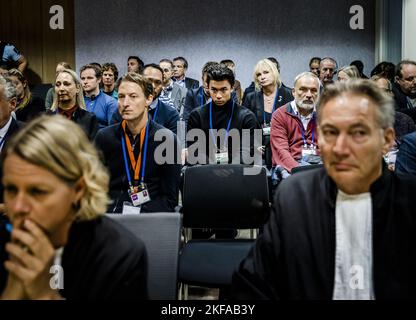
<point x="293" y="133"/>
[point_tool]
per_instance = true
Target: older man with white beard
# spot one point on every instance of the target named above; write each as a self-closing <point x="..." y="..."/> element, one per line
<point x="293" y="135"/>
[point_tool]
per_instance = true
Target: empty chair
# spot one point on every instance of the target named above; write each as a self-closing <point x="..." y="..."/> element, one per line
<point x="220" y="197"/>
<point x="160" y="233"/>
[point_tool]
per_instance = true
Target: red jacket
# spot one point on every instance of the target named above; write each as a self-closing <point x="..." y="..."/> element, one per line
<point x="286" y="137"/>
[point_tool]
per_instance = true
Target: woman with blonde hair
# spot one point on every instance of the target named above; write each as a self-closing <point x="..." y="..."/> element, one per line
<point x="49" y="95"/>
<point x="270" y="94"/>
<point x="69" y="102"/>
<point x="55" y="196"/>
<point x="348" y="72"/>
<point x="28" y="107"/>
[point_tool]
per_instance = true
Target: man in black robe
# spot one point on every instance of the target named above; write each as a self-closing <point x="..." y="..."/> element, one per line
<point x="346" y="231"/>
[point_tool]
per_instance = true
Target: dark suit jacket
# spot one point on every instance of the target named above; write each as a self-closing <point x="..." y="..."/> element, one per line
<point x="401" y="103"/>
<point x="86" y="120"/>
<point x="191" y="83"/>
<point x="406" y="157"/>
<point x="14" y="127"/>
<point x="102" y="261"/>
<point x="254" y="101"/>
<point x="162" y="180"/>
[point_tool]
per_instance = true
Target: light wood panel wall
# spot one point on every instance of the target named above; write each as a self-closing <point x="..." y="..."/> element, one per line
<point x="26" y="24"/>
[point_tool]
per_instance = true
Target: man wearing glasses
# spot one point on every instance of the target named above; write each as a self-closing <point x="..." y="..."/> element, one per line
<point x="404" y="88"/>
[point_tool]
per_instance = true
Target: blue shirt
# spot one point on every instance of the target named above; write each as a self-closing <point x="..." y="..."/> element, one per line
<point x="10" y="54"/>
<point x="103" y="106"/>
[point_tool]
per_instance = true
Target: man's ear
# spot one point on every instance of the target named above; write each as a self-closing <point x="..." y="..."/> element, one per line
<point x="12" y="104"/>
<point x="149" y="100"/>
<point x="389" y="137"/>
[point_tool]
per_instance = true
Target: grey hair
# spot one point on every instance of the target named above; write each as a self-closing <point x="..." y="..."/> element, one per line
<point x="384" y="102"/>
<point x="9" y="88"/>
<point x="306" y="74"/>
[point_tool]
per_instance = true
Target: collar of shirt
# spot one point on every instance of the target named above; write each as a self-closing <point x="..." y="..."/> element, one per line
<point x="169" y="87"/>
<point x="305" y="120"/>
<point x="69" y="112"/>
<point x="3" y="131"/>
<point x="181" y="82"/>
<point x="92" y="98"/>
<point x="153" y="105"/>
<point x="412" y="102"/>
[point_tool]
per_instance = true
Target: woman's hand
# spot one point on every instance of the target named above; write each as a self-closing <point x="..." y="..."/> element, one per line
<point x="32" y="256"/>
<point x="14" y="289"/>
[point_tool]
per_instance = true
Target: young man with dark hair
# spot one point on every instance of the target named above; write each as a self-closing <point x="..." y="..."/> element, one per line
<point x="222" y="112"/>
<point x="135" y="64"/>
<point x="110" y="76"/>
<point x="97" y="102"/>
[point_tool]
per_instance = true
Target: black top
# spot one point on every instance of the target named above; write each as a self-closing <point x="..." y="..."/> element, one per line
<point x="101" y="260"/>
<point x="162" y="180"/>
<point x="86" y="120"/>
<point x="294" y="258"/>
<point x="242" y="119"/>
<point x="255" y="102"/>
<point x="401" y="102"/>
<point x="33" y="109"/>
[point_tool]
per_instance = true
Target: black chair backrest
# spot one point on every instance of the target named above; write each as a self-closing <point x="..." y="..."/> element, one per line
<point x="160" y="233"/>
<point x="306" y="168"/>
<point x="224" y="196"/>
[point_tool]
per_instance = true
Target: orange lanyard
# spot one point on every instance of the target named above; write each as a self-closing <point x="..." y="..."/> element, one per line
<point x="136" y="165"/>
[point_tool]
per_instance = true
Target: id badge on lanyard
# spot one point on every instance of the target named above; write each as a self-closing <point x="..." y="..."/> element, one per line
<point x="139" y="195"/>
<point x="266" y="129"/>
<point x="221" y="156"/>
<point x="306" y="150"/>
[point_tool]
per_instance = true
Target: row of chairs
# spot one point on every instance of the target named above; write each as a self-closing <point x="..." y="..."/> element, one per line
<point x="214" y="196"/>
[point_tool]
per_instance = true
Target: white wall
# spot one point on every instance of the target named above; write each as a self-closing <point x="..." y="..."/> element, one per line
<point x="409" y="30"/>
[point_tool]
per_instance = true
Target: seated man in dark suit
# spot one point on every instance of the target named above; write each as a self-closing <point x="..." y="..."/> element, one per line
<point x="404" y="88"/>
<point x="180" y="65"/>
<point x="8" y="125"/>
<point x="139" y="180"/>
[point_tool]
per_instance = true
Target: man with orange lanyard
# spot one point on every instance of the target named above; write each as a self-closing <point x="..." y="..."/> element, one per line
<point x="293" y="129"/>
<point x="138" y="181"/>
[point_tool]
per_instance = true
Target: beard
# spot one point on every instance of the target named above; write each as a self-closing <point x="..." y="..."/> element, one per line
<point x="305" y="106"/>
